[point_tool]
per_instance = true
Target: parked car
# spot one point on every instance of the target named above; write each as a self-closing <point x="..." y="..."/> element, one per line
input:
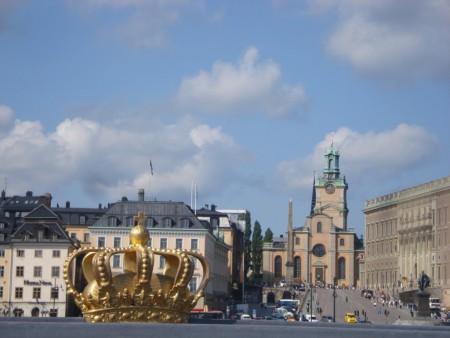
<point x="245" y="316"/>
<point x="311" y="318"/>
<point x="350" y="318"/>
<point x="283" y="283"/>
<point x="327" y="319"/>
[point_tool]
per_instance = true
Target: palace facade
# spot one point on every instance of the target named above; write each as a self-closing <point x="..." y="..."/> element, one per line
<point x="408" y="232"/>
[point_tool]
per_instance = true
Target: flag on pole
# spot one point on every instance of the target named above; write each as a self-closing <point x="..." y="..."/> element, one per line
<point x="151" y="167"/>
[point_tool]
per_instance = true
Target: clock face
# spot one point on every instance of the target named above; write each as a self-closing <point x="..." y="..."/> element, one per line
<point x="329" y="188"/>
<point x="318" y="250"/>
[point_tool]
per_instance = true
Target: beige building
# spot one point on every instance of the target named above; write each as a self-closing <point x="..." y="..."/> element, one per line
<point x="171" y="225"/>
<point x="324" y="250"/>
<point x="409" y="232"/>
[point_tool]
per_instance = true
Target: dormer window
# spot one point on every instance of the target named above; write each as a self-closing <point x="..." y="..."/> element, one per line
<point x="82" y="219"/>
<point x="112" y="221"/>
<point x="130" y="222"/>
<point x="167" y="222"/>
<point x="150" y="222"/>
<point x="185" y="223"/>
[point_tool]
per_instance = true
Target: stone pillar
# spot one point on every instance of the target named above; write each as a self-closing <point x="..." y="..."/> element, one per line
<point x="423" y="304"/>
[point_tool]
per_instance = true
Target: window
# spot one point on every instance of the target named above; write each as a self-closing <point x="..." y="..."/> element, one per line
<point x="185" y="223"/>
<point x="319" y="226"/>
<point x="37" y="271"/>
<point x="101" y="242"/>
<point x="117" y="242"/>
<point x="53" y="312"/>
<point x="167" y="223"/>
<point x="73" y="235"/>
<point x="2" y="253"/>
<point x="112" y="221"/>
<point x="82" y="219"/>
<point x="193" y="284"/>
<point x="297" y="241"/>
<point x="129" y="222"/>
<point x="341" y="268"/>
<point x="195" y="260"/>
<point x="2" y="225"/>
<point x="341" y="242"/>
<point x="19" y="271"/>
<point x="179" y="243"/>
<point x="116" y="261"/>
<point x="277" y="266"/>
<point x="162" y="262"/>
<point x="297" y="267"/>
<point x="86" y="237"/>
<point x="38" y="253"/>
<point x="163" y="243"/>
<point x="18" y="293"/>
<point x="20" y="253"/>
<point x="149" y="222"/>
<point x="2" y="271"/>
<point x="1" y="292"/>
<point x="149" y="242"/>
<point x="194" y="244"/>
<point x="56" y="253"/>
<point x="55" y="271"/>
<point x="54" y="292"/>
<point x="36" y="293"/>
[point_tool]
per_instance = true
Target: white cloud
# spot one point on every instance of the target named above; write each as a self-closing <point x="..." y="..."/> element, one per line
<point x="392" y="41"/>
<point x="110" y="160"/>
<point x="6" y="118"/>
<point x="367" y="158"/>
<point x="140" y="23"/>
<point x="248" y="86"/>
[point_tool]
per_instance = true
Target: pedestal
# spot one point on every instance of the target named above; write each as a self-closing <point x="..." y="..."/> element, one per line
<point x="423" y="304"/>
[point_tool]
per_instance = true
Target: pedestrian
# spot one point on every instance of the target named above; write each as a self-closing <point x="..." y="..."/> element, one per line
<point x="346" y="299"/>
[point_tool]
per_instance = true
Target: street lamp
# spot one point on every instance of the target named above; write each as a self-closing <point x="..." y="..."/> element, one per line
<point x="334" y="299"/>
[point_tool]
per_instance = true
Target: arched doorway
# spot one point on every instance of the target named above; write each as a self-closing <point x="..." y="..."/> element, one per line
<point x="35" y="312"/>
<point x="271" y="298"/>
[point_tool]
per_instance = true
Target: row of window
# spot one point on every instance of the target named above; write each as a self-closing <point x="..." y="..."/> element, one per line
<point x="117" y="242"/>
<point x="37" y="271"/>
<point x="116" y="262"/>
<point x="37" y="292"/>
<point x="37" y="253"/>
<point x="149" y="222"/>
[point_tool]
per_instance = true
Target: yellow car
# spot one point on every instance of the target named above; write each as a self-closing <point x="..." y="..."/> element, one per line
<point x="350" y="318"/>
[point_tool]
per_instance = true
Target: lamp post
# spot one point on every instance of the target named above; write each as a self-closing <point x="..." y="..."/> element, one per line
<point x="334" y="299"/>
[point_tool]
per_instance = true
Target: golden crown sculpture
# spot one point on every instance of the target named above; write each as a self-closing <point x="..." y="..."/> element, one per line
<point x="138" y="294"/>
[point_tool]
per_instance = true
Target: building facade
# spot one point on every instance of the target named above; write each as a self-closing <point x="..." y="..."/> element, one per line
<point x="324" y="251"/>
<point x="409" y="232"/>
<point x="171" y="225"/>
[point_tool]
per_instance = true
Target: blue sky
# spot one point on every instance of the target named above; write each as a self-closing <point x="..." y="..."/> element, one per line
<point x="240" y="97"/>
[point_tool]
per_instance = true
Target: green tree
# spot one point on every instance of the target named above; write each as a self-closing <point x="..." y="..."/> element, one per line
<point x="257" y="249"/>
<point x="247" y="243"/>
<point x="268" y="236"/>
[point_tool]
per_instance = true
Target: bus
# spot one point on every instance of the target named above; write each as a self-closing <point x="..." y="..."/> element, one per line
<point x="201" y="314"/>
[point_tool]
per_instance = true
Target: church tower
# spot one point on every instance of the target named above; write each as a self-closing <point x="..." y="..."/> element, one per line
<point x="331" y="190"/>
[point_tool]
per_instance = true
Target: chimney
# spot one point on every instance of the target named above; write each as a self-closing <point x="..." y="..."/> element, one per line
<point x="213" y="207"/>
<point x="29" y="194"/>
<point x="99" y="205"/>
<point x="124" y="199"/>
<point x="68" y="204"/>
<point x="141" y="195"/>
<point x="206" y="206"/>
